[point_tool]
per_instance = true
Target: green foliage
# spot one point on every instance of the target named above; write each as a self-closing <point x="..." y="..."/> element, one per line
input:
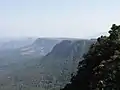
<point x="100" y="69"/>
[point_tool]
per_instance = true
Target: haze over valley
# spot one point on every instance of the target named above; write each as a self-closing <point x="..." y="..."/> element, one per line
<point x="40" y="63"/>
<point x="59" y="45"/>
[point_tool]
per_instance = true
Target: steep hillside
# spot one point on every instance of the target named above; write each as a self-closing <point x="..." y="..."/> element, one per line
<point x="62" y="61"/>
<point x="51" y="72"/>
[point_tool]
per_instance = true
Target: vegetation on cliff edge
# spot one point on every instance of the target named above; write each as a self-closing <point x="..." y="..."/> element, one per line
<point x="100" y="69"/>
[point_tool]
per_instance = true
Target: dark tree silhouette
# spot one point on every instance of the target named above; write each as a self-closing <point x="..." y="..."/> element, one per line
<point x="100" y="69"/>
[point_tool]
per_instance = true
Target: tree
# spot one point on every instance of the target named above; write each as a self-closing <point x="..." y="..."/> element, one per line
<point x="100" y="69"/>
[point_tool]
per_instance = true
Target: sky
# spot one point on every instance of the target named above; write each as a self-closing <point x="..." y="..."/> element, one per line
<point x="57" y="18"/>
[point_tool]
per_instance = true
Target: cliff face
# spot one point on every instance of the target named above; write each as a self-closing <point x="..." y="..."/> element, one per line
<point x="67" y="47"/>
<point x="62" y="61"/>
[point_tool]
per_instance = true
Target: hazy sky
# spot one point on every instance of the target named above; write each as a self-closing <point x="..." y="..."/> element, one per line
<point x="57" y="18"/>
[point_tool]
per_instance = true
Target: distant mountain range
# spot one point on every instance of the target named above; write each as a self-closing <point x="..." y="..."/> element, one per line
<point x="15" y="43"/>
<point x="45" y="63"/>
<point x="15" y="51"/>
<point x="40" y="46"/>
